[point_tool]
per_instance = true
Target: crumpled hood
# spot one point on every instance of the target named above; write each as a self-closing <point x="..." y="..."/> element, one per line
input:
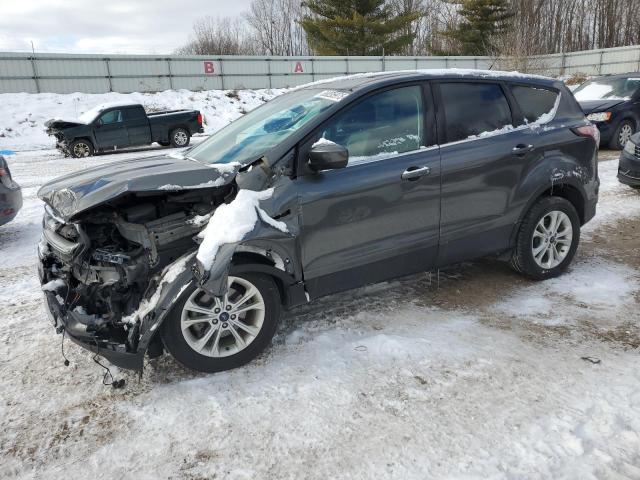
<point x="62" y="123"/>
<point x="592" y="106"/>
<point x="89" y="188"/>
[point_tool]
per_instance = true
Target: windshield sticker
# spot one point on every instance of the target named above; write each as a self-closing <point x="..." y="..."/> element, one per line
<point x="333" y="95"/>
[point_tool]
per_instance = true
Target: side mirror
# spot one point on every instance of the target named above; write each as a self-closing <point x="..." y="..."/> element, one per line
<point x="328" y="156"/>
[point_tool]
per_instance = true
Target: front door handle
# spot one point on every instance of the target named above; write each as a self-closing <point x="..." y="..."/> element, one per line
<point x="413" y="173"/>
<point x="521" y="150"/>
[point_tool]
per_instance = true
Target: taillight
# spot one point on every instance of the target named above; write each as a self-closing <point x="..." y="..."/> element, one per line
<point x="588" y="131"/>
<point x="200" y="118"/>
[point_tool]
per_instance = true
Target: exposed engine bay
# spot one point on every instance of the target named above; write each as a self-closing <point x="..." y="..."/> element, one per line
<point x="102" y="265"/>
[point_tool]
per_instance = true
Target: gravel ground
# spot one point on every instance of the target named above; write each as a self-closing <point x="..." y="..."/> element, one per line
<point x="472" y="372"/>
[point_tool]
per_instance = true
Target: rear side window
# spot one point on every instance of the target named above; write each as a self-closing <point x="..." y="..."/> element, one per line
<point x="380" y="126"/>
<point x="534" y="102"/>
<point x="134" y="113"/>
<point x="473" y="109"/>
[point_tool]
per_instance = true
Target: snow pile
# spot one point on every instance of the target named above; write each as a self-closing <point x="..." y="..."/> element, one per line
<point x="323" y="141"/>
<point x="491" y="133"/>
<point x="232" y="221"/>
<point x="53" y="285"/>
<point x="226" y="171"/>
<point x="22" y="115"/>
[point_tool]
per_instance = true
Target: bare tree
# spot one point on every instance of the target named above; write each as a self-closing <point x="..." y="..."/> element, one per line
<point x="275" y="27"/>
<point x="219" y="36"/>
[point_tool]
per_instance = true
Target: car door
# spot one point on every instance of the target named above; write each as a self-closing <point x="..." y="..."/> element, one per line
<point x="110" y="131"/>
<point x="378" y="218"/>
<point x="483" y="157"/>
<point x="137" y="125"/>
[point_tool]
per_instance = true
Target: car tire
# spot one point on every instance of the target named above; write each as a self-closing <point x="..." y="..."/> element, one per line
<point x="622" y="135"/>
<point x="184" y="330"/>
<point x="179" y="138"/>
<point x="81" y="149"/>
<point x="547" y="239"/>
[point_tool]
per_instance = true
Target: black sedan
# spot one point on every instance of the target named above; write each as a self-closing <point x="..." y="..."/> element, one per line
<point x="10" y="194"/>
<point x="629" y="167"/>
<point x="613" y="104"/>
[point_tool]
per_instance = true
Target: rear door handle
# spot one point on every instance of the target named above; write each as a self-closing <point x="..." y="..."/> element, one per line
<point x="521" y="150"/>
<point x="413" y="173"/>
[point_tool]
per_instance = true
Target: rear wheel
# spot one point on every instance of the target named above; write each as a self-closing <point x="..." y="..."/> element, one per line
<point x="81" y="149"/>
<point x="208" y="334"/>
<point x="621" y="136"/>
<point x="179" y="137"/>
<point x="548" y="239"/>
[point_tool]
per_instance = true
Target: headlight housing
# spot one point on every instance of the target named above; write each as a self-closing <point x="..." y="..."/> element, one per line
<point x="630" y="148"/>
<point x="64" y="202"/>
<point x="599" y="117"/>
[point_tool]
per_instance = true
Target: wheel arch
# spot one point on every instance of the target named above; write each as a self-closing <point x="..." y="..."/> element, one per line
<point x="173" y="128"/>
<point x="291" y="292"/>
<point x="88" y="139"/>
<point x="567" y="190"/>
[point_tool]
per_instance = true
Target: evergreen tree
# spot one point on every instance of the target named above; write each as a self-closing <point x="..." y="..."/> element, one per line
<point x="356" y="27"/>
<point x="483" y="20"/>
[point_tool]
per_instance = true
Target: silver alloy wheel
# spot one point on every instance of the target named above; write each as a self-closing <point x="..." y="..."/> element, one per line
<point x="626" y="132"/>
<point x="552" y="239"/>
<point x="222" y="327"/>
<point x="180" y="138"/>
<point x="81" y="149"/>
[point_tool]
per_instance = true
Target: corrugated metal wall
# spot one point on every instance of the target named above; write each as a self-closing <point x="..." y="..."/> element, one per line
<point x="65" y="73"/>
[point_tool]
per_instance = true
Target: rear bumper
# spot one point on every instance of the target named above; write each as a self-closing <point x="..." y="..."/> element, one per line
<point x="590" y="210"/>
<point x="10" y="203"/>
<point x="629" y="170"/>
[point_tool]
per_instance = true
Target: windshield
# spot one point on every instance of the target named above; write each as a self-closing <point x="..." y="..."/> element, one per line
<point x="607" y="89"/>
<point x="255" y="133"/>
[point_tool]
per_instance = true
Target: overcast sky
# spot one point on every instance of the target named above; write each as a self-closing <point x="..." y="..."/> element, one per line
<point x="105" y="26"/>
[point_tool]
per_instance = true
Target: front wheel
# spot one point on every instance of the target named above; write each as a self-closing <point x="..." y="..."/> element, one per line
<point x="179" y="138"/>
<point x="212" y="334"/>
<point x="80" y="149"/>
<point x="548" y="239"/>
<point x="622" y="135"/>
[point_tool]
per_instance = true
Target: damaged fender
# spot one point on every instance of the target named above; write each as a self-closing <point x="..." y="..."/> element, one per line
<point x="275" y="247"/>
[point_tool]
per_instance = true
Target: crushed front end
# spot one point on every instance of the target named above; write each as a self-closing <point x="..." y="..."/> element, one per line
<point x="99" y="269"/>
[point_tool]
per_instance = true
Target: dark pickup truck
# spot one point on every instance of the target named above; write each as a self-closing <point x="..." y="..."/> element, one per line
<point x="114" y="126"/>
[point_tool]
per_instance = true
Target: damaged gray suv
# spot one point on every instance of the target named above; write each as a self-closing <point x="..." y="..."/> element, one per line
<point x="326" y="188"/>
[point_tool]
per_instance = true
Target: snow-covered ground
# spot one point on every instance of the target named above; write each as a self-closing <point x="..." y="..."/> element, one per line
<point x="475" y="373"/>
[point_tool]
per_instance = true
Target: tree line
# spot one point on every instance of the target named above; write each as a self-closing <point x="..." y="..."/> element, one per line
<point x="418" y="27"/>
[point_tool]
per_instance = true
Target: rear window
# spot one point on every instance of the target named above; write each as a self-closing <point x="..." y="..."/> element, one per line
<point x="534" y="102"/>
<point x="473" y="109"/>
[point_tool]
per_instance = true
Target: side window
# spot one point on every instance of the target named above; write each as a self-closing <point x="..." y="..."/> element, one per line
<point x="534" y="102"/>
<point x="381" y="126"/>
<point x="473" y="109"/>
<point x="633" y="86"/>
<point x="133" y="113"/>
<point x="114" y="116"/>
